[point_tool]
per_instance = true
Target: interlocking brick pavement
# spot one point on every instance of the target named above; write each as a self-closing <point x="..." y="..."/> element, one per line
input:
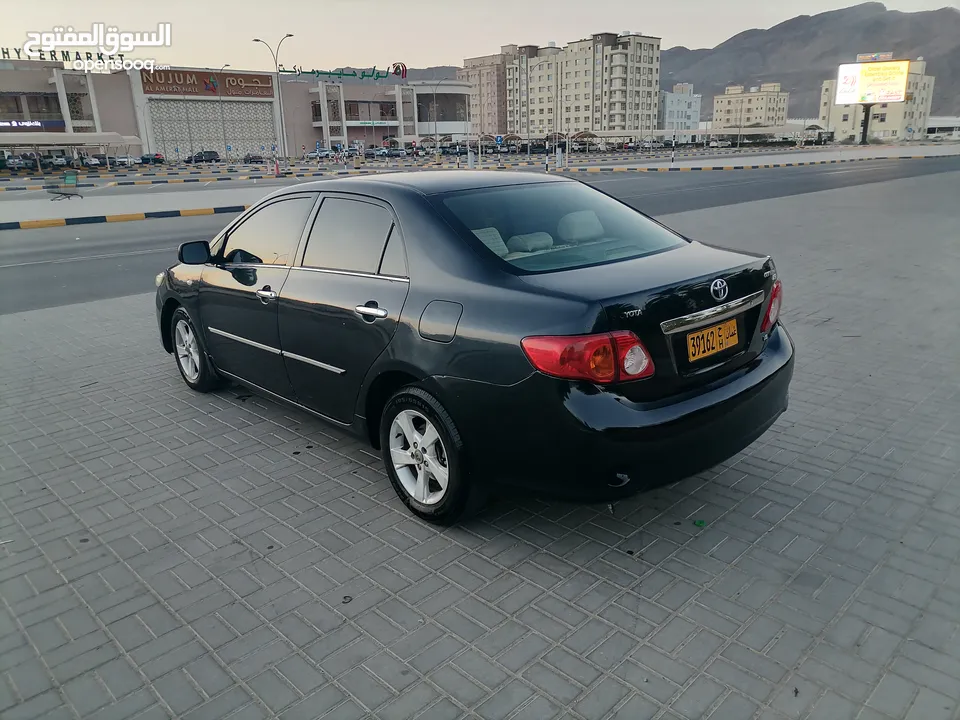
<point x="168" y="554"/>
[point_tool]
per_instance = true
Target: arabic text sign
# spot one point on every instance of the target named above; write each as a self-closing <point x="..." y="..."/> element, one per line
<point x="206" y="84"/>
<point x="397" y="69"/>
<point x="101" y="37"/>
<point x="873" y="82"/>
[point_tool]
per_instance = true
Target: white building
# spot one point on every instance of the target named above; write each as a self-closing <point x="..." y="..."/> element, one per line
<point x="680" y="111"/>
<point x="606" y="82"/>
<point x="764" y="106"/>
<point x="888" y="121"/>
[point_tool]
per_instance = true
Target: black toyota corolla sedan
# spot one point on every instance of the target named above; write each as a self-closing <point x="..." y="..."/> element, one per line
<point x="484" y="328"/>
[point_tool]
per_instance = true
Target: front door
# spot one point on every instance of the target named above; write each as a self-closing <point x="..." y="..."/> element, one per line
<point x="239" y="290"/>
<point x="340" y="306"/>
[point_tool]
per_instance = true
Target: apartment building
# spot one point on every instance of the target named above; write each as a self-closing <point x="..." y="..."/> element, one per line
<point x="888" y="121"/>
<point x="764" y="106"/>
<point x="488" y="94"/>
<point x="680" y="111"/>
<point x="606" y="82"/>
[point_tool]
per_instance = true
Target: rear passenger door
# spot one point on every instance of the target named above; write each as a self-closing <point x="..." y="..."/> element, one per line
<point x="342" y="301"/>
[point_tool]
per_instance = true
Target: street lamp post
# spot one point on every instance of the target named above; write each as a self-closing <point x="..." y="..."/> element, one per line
<point x="275" y="54"/>
<point x="223" y="124"/>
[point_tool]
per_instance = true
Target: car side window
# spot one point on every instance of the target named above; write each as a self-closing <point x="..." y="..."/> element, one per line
<point x="394" y="263"/>
<point x="270" y="235"/>
<point x="348" y="235"/>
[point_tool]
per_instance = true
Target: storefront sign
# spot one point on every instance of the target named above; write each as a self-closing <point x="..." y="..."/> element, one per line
<point x="206" y="84"/>
<point x="397" y="69"/>
<point x="64" y="56"/>
<point x="32" y="125"/>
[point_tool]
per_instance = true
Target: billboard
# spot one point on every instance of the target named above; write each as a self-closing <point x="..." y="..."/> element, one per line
<point x="872" y="82"/>
<point x="874" y="57"/>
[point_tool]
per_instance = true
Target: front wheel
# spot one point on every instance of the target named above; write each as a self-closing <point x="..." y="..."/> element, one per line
<point x="423" y="453"/>
<point x="191" y="357"/>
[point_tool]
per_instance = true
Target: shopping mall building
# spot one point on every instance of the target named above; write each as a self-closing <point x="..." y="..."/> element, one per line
<point x="180" y="111"/>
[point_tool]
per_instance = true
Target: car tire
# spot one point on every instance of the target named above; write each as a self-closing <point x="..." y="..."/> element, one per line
<point x="190" y="354"/>
<point x="419" y="485"/>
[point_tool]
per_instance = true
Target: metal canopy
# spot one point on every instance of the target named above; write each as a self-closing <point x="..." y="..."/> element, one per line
<point x="59" y="139"/>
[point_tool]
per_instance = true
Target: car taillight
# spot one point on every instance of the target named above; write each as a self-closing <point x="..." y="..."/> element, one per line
<point x="601" y="358"/>
<point x="773" y="307"/>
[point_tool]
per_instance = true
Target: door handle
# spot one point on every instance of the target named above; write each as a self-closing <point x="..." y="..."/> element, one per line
<point x="371" y="312"/>
<point x="266" y="294"/>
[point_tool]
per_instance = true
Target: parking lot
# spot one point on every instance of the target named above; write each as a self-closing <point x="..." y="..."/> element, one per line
<point x="165" y="554"/>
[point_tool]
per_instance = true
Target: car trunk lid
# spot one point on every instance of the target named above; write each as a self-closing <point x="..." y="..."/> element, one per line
<point x="666" y="300"/>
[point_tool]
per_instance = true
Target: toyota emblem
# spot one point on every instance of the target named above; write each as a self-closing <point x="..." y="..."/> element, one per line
<point x="719" y="289"/>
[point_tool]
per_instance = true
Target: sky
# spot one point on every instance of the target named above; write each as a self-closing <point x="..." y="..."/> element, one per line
<point x="329" y="34"/>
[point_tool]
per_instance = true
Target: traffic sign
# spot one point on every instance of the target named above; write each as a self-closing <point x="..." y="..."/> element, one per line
<point x="229" y="148"/>
<point x="386" y="143"/>
<point x="499" y="139"/>
<point x="318" y="146"/>
<point x="303" y="147"/>
<point x="262" y="148"/>
<point x="273" y="147"/>
<point x="413" y="143"/>
<point x="176" y="149"/>
<point x="339" y="146"/>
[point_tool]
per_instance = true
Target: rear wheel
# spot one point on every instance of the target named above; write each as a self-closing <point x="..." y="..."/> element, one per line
<point x="423" y="453"/>
<point x="190" y="354"/>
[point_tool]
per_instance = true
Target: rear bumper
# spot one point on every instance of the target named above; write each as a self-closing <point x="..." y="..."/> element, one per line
<point x="578" y="441"/>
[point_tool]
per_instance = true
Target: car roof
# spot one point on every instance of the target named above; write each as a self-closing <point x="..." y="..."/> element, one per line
<point x="429" y="182"/>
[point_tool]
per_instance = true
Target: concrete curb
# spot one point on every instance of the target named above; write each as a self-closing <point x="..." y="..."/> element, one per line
<point x="128" y="217"/>
<point x="745" y="167"/>
<point x="45" y="187"/>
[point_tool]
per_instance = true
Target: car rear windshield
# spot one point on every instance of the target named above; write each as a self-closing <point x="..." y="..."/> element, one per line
<point x="545" y="227"/>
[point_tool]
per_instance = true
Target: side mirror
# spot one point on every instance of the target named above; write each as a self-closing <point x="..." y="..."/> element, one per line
<point x="194" y="253"/>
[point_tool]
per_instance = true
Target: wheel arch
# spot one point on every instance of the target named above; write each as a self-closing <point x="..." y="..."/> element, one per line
<point x="166" y="315"/>
<point x="382" y="385"/>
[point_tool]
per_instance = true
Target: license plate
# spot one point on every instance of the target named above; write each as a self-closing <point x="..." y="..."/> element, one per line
<point x="711" y="340"/>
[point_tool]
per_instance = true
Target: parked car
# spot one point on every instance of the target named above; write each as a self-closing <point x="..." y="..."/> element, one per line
<point x="15" y="162"/>
<point x="651" y="145"/>
<point x="60" y="160"/>
<point x="152" y="159"/>
<point x="204" y="156"/>
<point x="720" y="143"/>
<point x="396" y="152"/>
<point x="90" y="161"/>
<point x="478" y="327"/>
<point x="252" y="159"/>
<point x="370" y="153"/>
<point x="320" y="154"/>
<point x="127" y="160"/>
<point x="383" y="152"/>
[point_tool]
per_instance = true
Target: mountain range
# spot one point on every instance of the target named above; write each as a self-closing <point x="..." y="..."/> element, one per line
<point x="803" y="52"/>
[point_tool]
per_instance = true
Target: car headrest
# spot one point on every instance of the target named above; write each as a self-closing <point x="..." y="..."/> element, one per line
<point x="530" y="242"/>
<point x="490" y="237"/>
<point x="580" y="226"/>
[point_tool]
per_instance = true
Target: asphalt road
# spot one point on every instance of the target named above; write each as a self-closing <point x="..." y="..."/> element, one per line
<point x="62" y="266"/>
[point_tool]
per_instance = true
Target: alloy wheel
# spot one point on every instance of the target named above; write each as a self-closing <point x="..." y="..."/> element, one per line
<point x="188" y="351"/>
<point x="419" y="457"/>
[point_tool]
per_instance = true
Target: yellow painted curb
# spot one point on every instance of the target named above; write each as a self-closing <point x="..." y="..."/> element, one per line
<point x="34" y="224"/>
<point x="196" y="211"/>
